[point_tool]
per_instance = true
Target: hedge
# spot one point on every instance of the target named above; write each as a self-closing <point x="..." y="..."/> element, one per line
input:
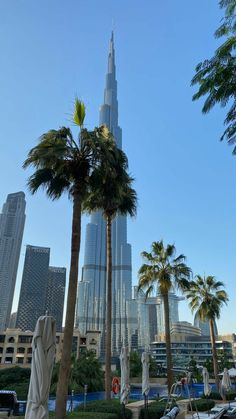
<point x="230" y="395"/>
<point x="85" y="415"/>
<point x="202" y="405"/>
<point x="155" y="410"/>
<point x="215" y="395"/>
<point x="106" y="406"/>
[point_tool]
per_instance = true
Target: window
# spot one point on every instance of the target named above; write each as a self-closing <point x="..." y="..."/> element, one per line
<point x="8" y="360"/>
<point x="11" y="339"/>
<point x="20" y="360"/>
<point x="29" y="350"/>
<point x="25" y="339"/>
<point x="10" y="350"/>
<point x="21" y="350"/>
<point x="2" y="338"/>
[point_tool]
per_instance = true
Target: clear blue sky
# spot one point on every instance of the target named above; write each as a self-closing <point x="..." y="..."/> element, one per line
<point x="185" y="178"/>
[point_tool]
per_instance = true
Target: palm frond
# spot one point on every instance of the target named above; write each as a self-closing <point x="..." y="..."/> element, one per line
<point x="79" y="113"/>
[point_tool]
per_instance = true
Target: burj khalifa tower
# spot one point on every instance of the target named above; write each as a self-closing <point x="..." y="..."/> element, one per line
<point x="91" y="299"/>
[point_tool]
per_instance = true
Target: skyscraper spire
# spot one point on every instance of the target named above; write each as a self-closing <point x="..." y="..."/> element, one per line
<point x="109" y="109"/>
<point x="111" y="56"/>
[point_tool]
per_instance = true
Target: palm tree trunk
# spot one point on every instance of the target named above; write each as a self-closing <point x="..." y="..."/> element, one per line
<point x="168" y="341"/>
<point x="108" y="312"/>
<point x="65" y="364"/>
<point x="214" y="354"/>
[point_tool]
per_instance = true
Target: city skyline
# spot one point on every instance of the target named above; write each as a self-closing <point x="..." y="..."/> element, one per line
<point x="184" y="175"/>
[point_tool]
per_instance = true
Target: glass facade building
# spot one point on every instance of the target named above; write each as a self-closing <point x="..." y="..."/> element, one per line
<point x="12" y="221"/>
<point x="55" y="294"/>
<point x="91" y="295"/>
<point x="33" y="287"/>
<point x="197" y="347"/>
<point x="42" y="289"/>
<point x="204" y="325"/>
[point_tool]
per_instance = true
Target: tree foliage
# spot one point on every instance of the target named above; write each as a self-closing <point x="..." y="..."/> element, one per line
<point x="216" y="77"/>
<point x="16" y="379"/>
<point x="207" y="296"/>
<point x="84" y="370"/>
<point x="136" y="365"/>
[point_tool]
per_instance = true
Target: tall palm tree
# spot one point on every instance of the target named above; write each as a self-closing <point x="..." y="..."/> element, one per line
<point x="164" y="271"/>
<point x="111" y="191"/>
<point x="61" y="165"/>
<point x="207" y="297"/>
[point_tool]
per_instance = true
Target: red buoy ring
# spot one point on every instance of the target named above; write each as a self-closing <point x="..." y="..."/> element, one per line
<point x="115" y="385"/>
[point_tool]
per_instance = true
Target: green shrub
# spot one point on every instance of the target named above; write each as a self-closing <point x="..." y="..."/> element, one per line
<point x="93" y="415"/>
<point x="21" y="389"/>
<point x="84" y="415"/>
<point x="155" y="410"/>
<point x="106" y="406"/>
<point x="215" y="395"/>
<point x="9" y="376"/>
<point x="202" y="405"/>
<point x="230" y="395"/>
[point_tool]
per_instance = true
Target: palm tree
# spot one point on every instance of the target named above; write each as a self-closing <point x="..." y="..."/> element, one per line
<point x="164" y="271"/>
<point x="207" y="297"/>
<point x="215" y="76"/>
<point x="111" y="191"/>
<point x="61" y="165"/>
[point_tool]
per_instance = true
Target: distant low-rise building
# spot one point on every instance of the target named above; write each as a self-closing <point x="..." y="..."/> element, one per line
<point x="15" y="346"/>
<point x="232" y="339"/>
<point x="180" y="330"/>
<point x="197" y="347"/>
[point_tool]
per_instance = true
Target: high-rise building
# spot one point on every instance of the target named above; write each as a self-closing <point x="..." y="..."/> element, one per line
<point x="204" y="325"/>
<point x="173" y="310"/>
<point x="55" y="294"/>
<point x="12" y="221"/>
<point x="42" y="289"/>
<point x="91" y="310"/>
<point x="33" y="287"/>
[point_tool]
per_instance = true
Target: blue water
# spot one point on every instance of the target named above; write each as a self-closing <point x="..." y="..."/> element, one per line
<point x="78" y="399"/>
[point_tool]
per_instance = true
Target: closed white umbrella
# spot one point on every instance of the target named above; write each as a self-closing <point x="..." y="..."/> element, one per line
<point x="207" y="387"/>
<point x="225" y="383"/>
<point x="43" y="354"/>
<point x="232" y="372"/>
<point x="145" y="373"/>
<point x="124" y="369"/>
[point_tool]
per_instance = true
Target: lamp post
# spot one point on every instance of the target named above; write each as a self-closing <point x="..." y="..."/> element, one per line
<point x="85" y="394"/>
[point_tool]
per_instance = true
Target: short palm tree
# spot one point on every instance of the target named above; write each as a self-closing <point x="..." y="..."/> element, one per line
<point x="61" y="165"/>
<point x="164" y="271"/>
<point x="111" y="192"/>
<point x="207" y="297"/>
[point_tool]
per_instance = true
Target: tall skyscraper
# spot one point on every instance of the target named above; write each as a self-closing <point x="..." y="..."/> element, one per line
<point x="42" y="289"/>
<point x="173" y="309"/>
<point x="204" y="325"/>
<point x="33" y="287"/>
<point x="12" y="221"/>
<point x="91" y="309"/>
<point x="55" y="294"/>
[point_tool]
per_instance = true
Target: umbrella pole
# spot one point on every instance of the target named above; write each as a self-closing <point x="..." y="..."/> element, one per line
<point x="145" y="406"/>
<point x="123" y="411"/>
